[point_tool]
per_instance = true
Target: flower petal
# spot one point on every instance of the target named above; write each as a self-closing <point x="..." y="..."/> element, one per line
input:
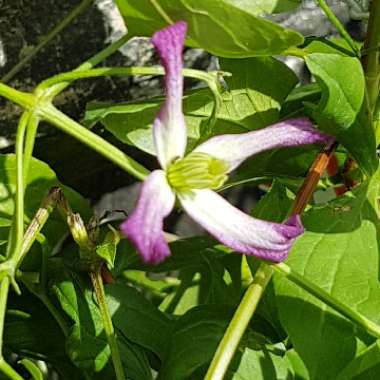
<point x="239" y="231"/>
<point x="169" y="129"/>
<point x="144" y="227"/>
<point x="235" y="148"/>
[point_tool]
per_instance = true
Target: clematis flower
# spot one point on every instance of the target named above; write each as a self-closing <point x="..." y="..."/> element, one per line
<point x="193" y="178"/>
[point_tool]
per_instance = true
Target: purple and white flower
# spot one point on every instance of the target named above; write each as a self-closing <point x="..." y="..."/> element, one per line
<point x="192" y="178"/>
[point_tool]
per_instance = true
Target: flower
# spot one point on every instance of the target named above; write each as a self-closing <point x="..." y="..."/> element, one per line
<point x="192" y="178"/>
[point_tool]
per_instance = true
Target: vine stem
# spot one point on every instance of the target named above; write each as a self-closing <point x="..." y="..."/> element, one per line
<point x="17" y="229"/>
<point x="371" y="54"/>
<point x="239" y="323"/>
<point x="97" y="284"/>
<point x="49" y="37"/>
<point x="338" y="25"/>
<point x="255" y="290"/>
<point x="82" y="134"/>
<point x="134" y="70"/>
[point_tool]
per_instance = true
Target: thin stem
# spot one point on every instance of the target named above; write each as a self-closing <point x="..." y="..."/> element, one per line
<point x="49" y="37"/>
<point x="30" y="139"/>
<point x="97" y="283"/>
<point x="90" y="63"/>
<point x="338" y="25"/>
<point x="17" y="229"/>
<point x="328" y="299"/>
<point x="44" y="88"/>
<point x="23" y="99"/>
<point x="71" y="127"/>
<point x="371" y="55"/>
<point x="4" y="289"/>
<point x="239" y="323"/>
<point x="35" y="226"/>
<point x="108" y="71"/>
<point x="8" y="371"/>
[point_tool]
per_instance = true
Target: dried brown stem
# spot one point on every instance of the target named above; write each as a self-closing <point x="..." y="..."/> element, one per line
<point x="311" y="181"/>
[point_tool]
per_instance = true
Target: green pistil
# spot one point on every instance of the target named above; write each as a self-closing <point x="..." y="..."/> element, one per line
<point x="197" y="171"/>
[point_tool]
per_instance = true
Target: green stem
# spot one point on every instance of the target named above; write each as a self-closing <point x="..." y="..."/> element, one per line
<point x="29" y="144"/>
<point x="93" y="61"/>
<point x="4" y="288"/>
<point x="17" y="229"/>
<point x="23" y="99"/>
<point x="97" y="283"/>
<point x="108" y="71"/>
<point x="339" y="26"/>
<point x="45" y="87"/>
<point x="239" y="323"/>
<point x="371" y="57"/>
<point x="71" y="127"/>
<point x="50" y="36"/>
<point x="8" y="371"/>
<point x="328" y="299"/>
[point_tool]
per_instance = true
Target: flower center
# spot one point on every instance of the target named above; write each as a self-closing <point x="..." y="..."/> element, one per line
<point x="197" y="171"/>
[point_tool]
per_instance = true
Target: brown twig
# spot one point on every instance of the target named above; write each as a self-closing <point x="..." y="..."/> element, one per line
<point x="311" y="181"/>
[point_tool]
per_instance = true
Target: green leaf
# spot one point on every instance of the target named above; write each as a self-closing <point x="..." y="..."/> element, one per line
<point x="263" y="365"/>
<point x="341" y="98"/>
<point x="32" y="369"/>
<point x="195" y="337"/>
<point x="87" y="345"/>
<point x="28" y="320"/>
<point x="342" y="110"/>
<point x="137" y="319"/>
<point x="194" y="340"/>
<point x="41" y="178"/>
<point x="107" y="249"/>
<point x="259" y="7"/>
<point x="297" y="366"/>
<point x="214" y="25"/>
<point x="274" y="205"/>
<point x="339" y="252"/>
<point x="251" y="103"/>
<point x="365" y="366"/>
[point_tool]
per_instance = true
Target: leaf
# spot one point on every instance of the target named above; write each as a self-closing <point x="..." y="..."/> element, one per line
<point x="259" y="7"/>
<point x="26" y="322"/>
<point x="339" y="252"/>
<point x="341" y="98"/>
<point x="274" y="205"/>
<point x="263" y="365"/>
<point x="40" y="179"/>
<point x="296" y="365"/>
<point x="214" y="25"/>
<point x="194" y="340"/>
<point x="87" y="345"/>
<point x="137" y="319"/>
<point x="107" y="249"/>
<point x="207" y="273"/>
<point x="365" y="366"/>
<point x="32" y="369"/>
<point x="342" y="110"/>
<point x="251" y="103"/>
<point x="195" y="337"/>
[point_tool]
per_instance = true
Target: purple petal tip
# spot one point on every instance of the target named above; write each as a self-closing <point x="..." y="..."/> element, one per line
<point x="144" y="226"/>
<point x="170" y="40"/>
